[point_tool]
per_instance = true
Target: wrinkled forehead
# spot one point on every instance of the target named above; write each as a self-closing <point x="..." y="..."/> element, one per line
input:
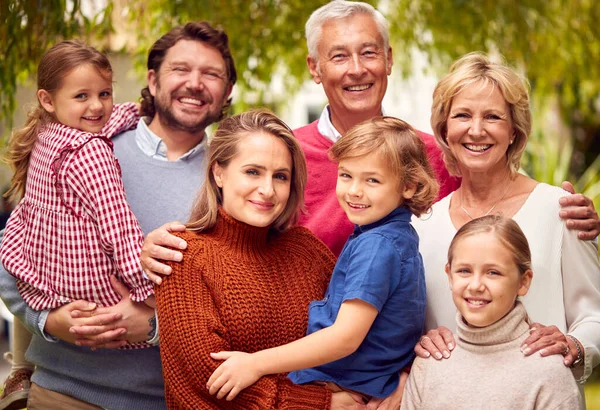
<point x="354" y="31"/>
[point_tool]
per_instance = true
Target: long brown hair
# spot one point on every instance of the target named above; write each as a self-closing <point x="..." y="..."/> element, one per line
<point x="196" y="31"/>
<point x="223" y="147"/>
<point x="54" y="66"/>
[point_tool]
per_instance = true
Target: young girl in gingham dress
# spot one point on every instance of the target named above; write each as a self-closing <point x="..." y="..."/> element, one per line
<point x="73" y="228"/>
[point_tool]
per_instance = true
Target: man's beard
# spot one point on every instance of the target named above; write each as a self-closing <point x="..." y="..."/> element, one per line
<point x="168" y="119"/>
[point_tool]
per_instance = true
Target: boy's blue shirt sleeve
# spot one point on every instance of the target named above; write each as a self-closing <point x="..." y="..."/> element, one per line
<point x="373" y="270"/>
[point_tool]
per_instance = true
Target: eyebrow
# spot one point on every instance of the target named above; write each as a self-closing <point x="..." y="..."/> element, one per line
<point x="361" y="173"/>
<point x="187" y="63"/>
<point x="265" y="168"/>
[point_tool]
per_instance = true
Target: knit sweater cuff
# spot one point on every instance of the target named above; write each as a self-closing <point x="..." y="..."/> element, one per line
<point x="307" y="397"/>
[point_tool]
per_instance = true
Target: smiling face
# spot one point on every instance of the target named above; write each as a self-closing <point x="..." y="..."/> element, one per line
<point x="191" y="86"/>
<point x="367" y="190"/>
<point x="480" y="129"/>
<point x="256" y="183"/>
<point x="83" y="101"/>
<point x="353" y="66"/>
<point x="484" y="279"/>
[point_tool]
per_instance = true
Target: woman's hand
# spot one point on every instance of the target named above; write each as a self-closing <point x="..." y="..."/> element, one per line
<point x="548" y="340"/>
<point x="61" y="320"/>
<point x="437" y="343"/>
<point x="344" y="400"/>
<point x="157" y="246"/>
<point x="579" y="213"/>
<point x="393" y="401"/>
<point x="237" y="372"/>
<point x="133" y="323"/>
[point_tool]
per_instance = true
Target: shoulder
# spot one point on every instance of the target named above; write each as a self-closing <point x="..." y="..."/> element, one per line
<point x="545" y="192"/>
<point x="309" y="129"/>
<point x="301" y="240"/>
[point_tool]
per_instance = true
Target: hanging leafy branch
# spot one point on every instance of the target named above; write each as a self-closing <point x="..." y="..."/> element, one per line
<point x="28" y="28"/>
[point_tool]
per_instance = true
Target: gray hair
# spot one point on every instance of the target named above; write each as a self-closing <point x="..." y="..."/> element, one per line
<point x="339" y="9"/>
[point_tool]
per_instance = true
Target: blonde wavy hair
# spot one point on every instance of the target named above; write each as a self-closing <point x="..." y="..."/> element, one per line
<point x="401" y="150"/>
<point x="223" y="147"/>
<point x="54" y="66"/>
<point x="478" y="68"/>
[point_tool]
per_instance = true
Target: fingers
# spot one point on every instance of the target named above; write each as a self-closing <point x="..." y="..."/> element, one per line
<point x="96" y="330"/>
<point x="216" y="382"/>
<point x="221" y="355"/>
<point x="547" y="338"/>
<point x="233" y="393"/>
<point x="434" y="344"/>
<point x="575" y="201"/>
<point x="580" y="215"/>
<point x="95" y="320"/>
<point x="567" y="186"/>
<point x="108" y="339"/>
<point x="82" y="306"/>
<point x="447" y="336"/>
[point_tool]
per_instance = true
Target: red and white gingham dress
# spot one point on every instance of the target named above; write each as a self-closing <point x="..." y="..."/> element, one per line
<point x="74" y="229"/>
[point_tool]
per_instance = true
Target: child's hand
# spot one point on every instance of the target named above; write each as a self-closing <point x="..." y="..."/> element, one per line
<point x="237" y="372"/>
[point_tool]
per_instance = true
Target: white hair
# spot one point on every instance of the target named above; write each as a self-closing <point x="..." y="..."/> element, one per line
<point x="339" y="9"/>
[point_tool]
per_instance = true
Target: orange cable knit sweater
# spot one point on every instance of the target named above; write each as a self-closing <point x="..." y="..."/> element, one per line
<point x="239" y="288"/>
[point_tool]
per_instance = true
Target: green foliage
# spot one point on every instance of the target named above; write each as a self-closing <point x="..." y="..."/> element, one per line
<point x="547" y="159"/>
<point x="28" y="28"/>
<point x="264" y="35"/>
<point x="555" y="41"/>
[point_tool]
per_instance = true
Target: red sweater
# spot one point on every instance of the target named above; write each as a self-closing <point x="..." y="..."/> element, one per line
<point x="325" y="217"/>
<point x="239" y="288"/>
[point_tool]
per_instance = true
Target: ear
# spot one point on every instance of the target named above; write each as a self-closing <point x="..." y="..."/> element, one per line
<point x="228" y="91"/>
<point x="217" y="171"/>
<point x="152" y="78"/>
<point x="313" y="67"/>
<point x="390" y="61"/>
<point x="409" y="191"/>
<point x="45" y="100"/>
<point x="525" y="282"/>
<point x="447" y="269"/>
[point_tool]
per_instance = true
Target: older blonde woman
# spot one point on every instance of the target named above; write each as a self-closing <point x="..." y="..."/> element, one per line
<point x="481" y="120"/>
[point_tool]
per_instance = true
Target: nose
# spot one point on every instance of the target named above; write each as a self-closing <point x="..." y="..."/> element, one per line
<point x="476" y="128"/>
<point x="266" y="187"/>
<point x="357" y="66"/>
<point x="476" y="283"/>
<point x="195" y="80"/>
<point x="96" y="105"/>
<point x="355" y="188"/>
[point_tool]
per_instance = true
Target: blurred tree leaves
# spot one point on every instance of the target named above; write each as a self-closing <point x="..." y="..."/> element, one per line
<point x="28" y="28"/>
<point x="555" y="42"/>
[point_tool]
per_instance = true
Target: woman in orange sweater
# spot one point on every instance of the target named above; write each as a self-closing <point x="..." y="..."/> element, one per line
<point x="248" y="273"/>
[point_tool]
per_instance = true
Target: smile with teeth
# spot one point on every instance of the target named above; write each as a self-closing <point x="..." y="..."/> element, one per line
<point x="477" y="148"/>
<point x="189" y="100"/>
<point x="93" y="118"/>
<point x="361" y="87"/>
<point x="477" y="302"/>
<point x="358" y="206"/>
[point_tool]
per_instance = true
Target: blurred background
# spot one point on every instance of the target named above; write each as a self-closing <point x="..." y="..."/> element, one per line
<point x="555" y="43"/>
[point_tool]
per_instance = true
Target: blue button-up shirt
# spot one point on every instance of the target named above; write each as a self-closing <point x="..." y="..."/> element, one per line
<point x="381" y="265"/>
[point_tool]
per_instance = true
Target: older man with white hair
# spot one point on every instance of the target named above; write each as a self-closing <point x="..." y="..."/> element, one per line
<point x="350" y="55"/>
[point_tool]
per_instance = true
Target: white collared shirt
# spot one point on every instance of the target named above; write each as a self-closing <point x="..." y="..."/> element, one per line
<point x="154" y="147"/>
<point x="326" y="128"/>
